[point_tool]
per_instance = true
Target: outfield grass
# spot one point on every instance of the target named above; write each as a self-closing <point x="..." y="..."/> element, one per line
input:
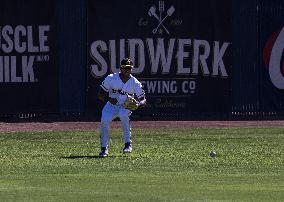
<point x="166" y="165"/>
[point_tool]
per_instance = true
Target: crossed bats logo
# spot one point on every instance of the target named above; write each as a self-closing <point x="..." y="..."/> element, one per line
<point x="273" y="58"/>
<point x="161" y="19"/>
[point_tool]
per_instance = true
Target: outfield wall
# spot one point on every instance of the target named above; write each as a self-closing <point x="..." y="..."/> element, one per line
<point x="196" y="59"/>
<point x="183" y="62"/>
<point x="257" y="76"/>
<point x="28" y="57"/>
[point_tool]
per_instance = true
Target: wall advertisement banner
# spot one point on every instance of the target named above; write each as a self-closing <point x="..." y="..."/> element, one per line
<point x="181" y="52"/>
<point x="28" y="70"/>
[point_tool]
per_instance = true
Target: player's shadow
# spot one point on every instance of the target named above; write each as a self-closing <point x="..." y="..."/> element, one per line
<point x="81" y="157"/>
<point x="90" y="157"/>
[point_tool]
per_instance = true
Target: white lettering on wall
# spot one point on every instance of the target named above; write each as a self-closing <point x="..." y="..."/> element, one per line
<point x="160" y="56"/>
<point x="20" y="48"/>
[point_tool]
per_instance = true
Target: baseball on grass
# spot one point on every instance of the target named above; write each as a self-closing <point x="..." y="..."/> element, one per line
<point x="212" y="153"/>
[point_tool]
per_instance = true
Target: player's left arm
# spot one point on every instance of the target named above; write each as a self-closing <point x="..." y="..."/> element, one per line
<point x="142" y="102"/>
<point x="140" y="93"/>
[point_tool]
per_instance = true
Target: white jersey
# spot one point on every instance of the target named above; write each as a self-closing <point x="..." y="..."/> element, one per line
<point x="119" y="90"/>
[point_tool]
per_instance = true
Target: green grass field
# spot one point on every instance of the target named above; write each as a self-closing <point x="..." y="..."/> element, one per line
<point x="166" y="165"/>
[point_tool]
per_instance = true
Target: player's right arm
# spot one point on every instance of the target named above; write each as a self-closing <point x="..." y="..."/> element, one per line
<point x="103" y="93"/>
<point x="103" y="96"/>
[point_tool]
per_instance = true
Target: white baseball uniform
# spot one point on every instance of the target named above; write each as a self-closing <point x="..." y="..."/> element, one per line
<point x="119" y="90"/>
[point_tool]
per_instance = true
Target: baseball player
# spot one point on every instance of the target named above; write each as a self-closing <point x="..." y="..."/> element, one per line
<point x="123" y="93"/>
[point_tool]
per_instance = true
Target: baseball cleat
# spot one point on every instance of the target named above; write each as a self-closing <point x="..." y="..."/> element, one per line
<point x="127" y="148"/>
<point x="104" y="152"/>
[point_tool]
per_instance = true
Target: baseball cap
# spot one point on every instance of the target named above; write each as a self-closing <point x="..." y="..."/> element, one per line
<point x="126" y="63"/>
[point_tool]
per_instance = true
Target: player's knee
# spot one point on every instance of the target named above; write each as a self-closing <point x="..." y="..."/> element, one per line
<point x="105" y="121"/>
<point x="124" y="117"/>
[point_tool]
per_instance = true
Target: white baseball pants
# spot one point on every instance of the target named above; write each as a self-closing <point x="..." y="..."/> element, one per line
<point x="109" y="113"/>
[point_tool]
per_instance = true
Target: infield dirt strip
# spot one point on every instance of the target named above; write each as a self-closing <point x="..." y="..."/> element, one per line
<point x="90" y="126"/>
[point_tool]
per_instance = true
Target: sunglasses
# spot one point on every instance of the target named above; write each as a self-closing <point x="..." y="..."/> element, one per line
<point x="126" y="67"/>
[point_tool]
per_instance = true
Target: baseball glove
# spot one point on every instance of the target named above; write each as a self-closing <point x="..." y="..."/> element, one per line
<point x="131" y="103"/>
